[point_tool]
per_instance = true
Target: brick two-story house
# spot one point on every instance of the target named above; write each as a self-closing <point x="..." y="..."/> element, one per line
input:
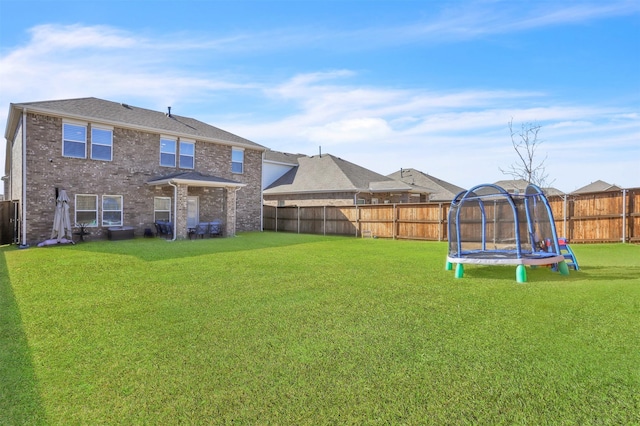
<point x="127" y="166"/>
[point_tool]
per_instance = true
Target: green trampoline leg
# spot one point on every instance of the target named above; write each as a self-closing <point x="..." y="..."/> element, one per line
<point x="563" y="268"/>
<point x="459" y="270"/>
<point x="521" y="274"/>
<point x="448" y="266"/>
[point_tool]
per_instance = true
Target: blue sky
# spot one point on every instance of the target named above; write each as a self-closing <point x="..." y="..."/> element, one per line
<point x="430" y="85"/>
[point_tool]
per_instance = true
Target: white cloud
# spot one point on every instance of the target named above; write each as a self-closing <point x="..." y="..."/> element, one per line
<point x="45" y="38"/>
<point x="469" y="20"/>
<point x="352" y="130"/>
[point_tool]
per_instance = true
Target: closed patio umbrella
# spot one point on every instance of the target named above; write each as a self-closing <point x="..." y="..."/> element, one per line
<point x="61" y="221"/>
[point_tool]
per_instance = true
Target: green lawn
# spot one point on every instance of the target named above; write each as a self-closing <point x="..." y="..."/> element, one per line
<point x="274" y="328"/>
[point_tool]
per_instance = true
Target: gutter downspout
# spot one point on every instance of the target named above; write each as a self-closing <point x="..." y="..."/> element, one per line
<point x="24" y="178"/>
<point x="175" y="209"/>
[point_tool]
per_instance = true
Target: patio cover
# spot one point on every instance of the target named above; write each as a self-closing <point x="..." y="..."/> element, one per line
<point x="182" y="180"/>
<point x="195" y="179"/>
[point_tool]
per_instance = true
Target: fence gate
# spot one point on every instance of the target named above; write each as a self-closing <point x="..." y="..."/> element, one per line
<point x="9" y="222"/>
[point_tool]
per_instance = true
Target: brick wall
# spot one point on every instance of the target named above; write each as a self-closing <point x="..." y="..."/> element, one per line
<point x="135" y="161"/>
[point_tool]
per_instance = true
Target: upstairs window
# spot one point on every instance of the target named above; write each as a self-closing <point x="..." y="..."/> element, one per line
<point x="112" y="210"/>
<point x="86" y="210"/>
<point x="187" y="153"/>
<point x="101" y="144"/>
<point x="237" y="160"/>
<point x="167" y="152"/>
<point x="74" y="140"/>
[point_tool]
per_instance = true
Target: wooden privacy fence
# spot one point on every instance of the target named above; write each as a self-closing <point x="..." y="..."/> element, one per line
<point x="596" y="217"/>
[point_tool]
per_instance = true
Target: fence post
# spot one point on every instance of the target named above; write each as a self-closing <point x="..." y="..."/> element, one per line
<point x="440" y="221"/>
<point x="324" y="220"/>
<point x="564" y="216"/>
<point x="395" y="221"/>
<point x="624" y="216"/>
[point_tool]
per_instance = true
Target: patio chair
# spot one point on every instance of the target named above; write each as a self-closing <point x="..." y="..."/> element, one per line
<point x="202" y="229"/>
<point x="158" y="228"/>
<point x="215" y="229"/>
<point x="166" y="228"/>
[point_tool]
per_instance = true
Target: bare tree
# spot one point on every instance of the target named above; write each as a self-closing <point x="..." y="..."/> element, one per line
<point x="528" y="167"/>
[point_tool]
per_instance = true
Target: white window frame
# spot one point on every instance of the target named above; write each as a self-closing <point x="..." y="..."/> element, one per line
<point x="120" y="210"/>
<point x="233" y="151"/>
<point x="156" y="210"/>
<point x="75" y="141"/>
<point x="110" y="145"/>
<point x="92" y="223"/>
<point x="192" y="156"/>
<point x="174" y="152"/>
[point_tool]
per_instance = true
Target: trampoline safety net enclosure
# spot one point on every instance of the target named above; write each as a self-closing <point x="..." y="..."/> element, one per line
<point x="490" y="226"/>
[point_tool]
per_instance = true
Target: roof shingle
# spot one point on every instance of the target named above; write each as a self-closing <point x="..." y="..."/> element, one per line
<point x="327" y="173"/>
<point x="109" y="112"/>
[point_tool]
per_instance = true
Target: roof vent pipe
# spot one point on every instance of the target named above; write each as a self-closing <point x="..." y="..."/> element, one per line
<point x="168" y="111"/>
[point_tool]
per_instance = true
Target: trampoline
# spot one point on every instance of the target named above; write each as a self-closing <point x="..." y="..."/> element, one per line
<point x="490" y="226"/>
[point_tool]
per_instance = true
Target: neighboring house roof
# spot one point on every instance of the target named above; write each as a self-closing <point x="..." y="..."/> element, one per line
<point x="513" y="185"/>
<point x="282" y="157"/>
<point x="326" y="173"/>
<point x="597" y="186"/>
<point x="520" y="185"/>
<point x="196" y="179"/>
<point x="438" y="188"/>
<point x="123" y="115"/>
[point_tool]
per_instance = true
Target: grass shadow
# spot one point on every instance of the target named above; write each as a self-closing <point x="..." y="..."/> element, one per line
<point x="545" y="274"/>
<point x="20" y="401"/>
<point x="602" y="273"/>
<point x="158" y="249"/>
